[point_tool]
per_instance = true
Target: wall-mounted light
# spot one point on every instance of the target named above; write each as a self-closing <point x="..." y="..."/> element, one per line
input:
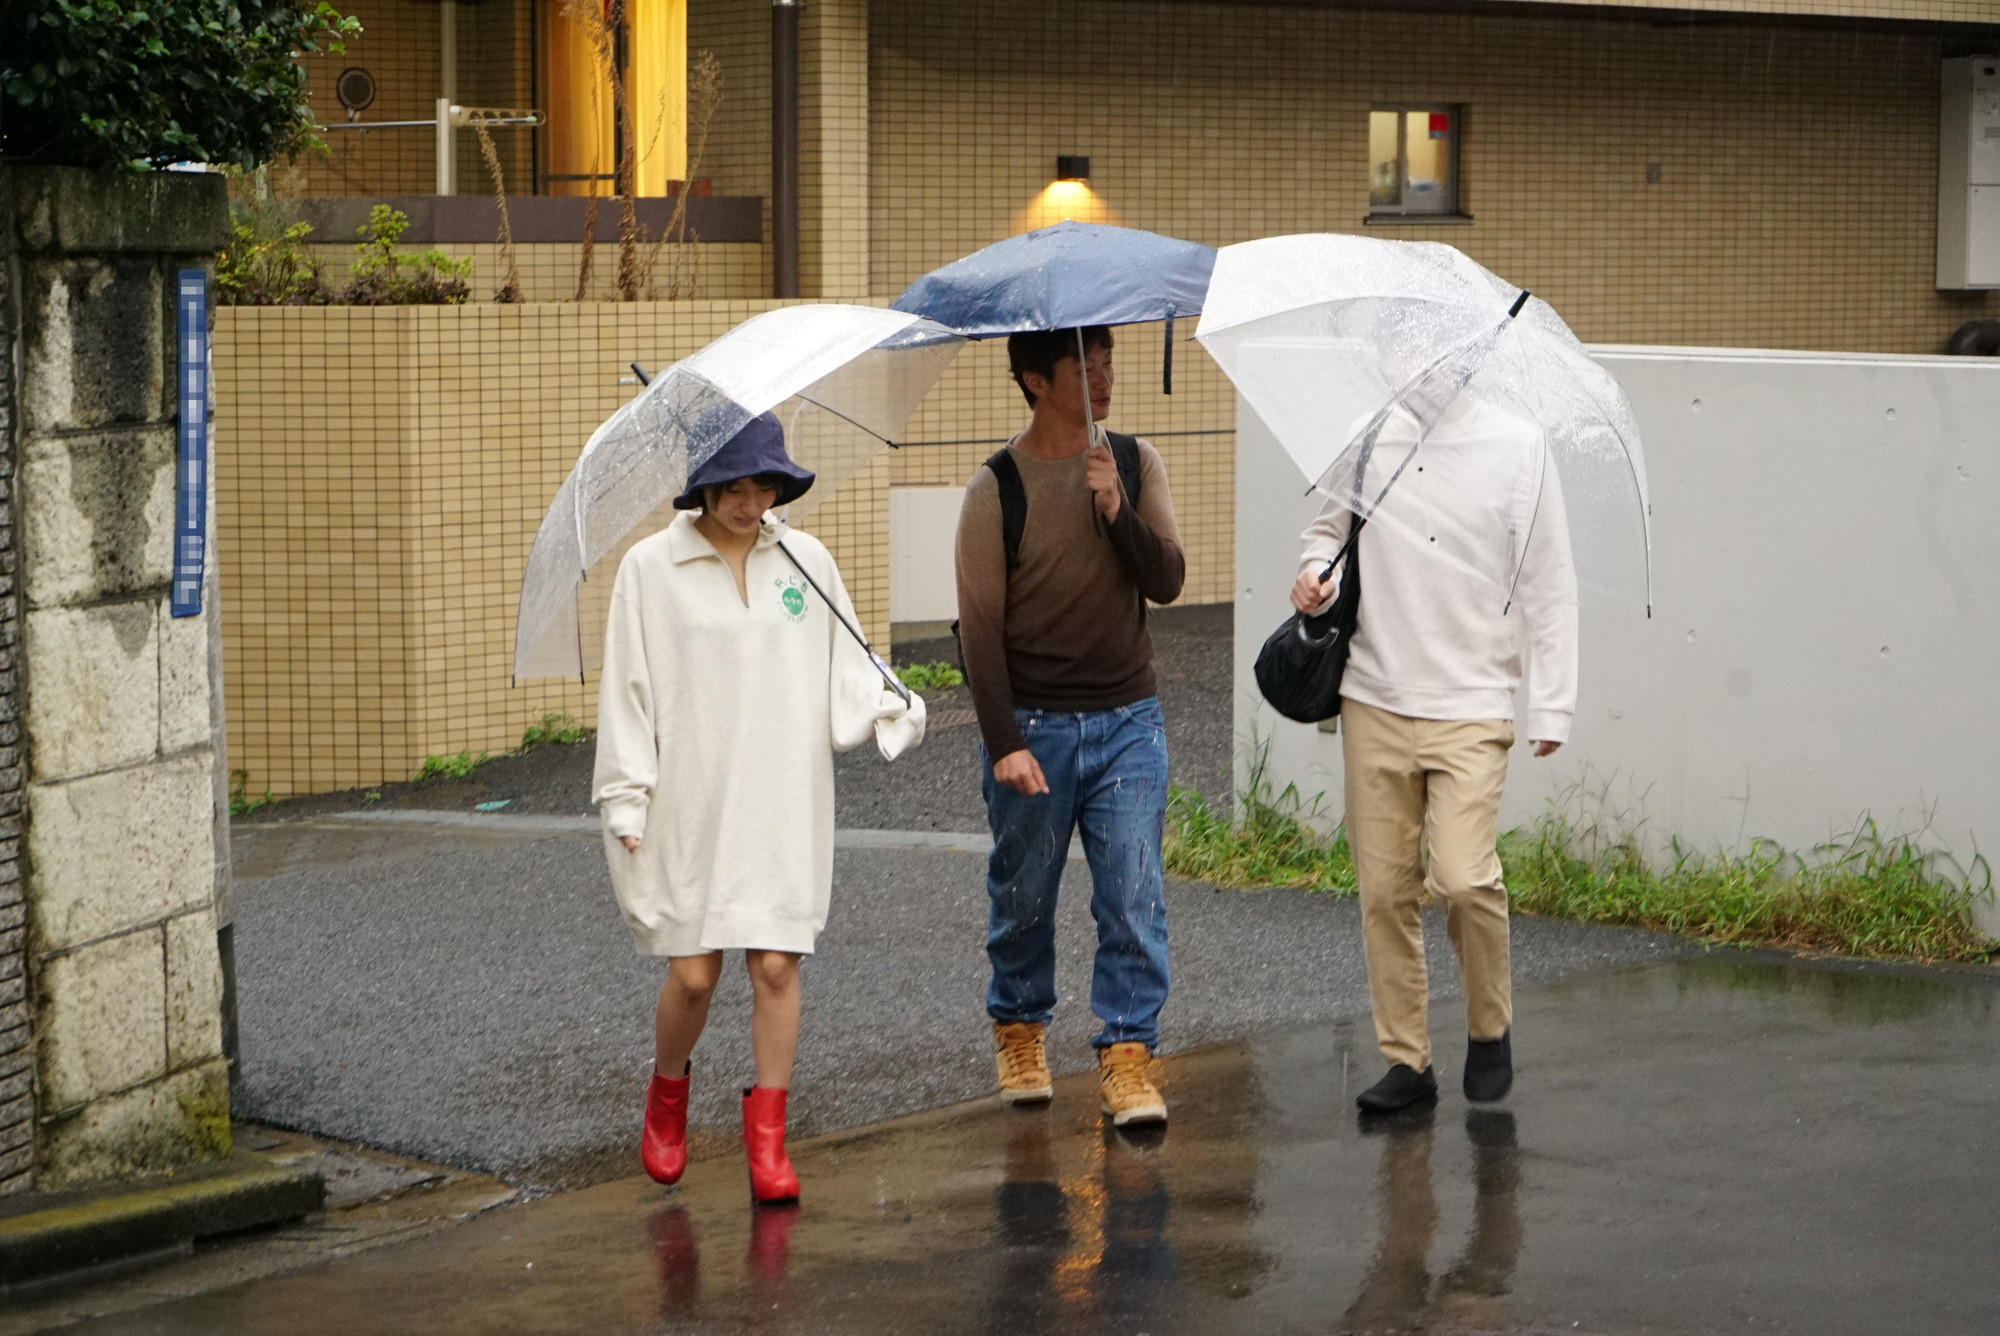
<point x="1072" y="167"/>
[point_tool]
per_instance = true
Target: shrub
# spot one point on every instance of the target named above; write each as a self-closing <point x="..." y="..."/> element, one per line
<point x="266" y="262"/>
<point x="930" y="676"/>
<point x="383" y="277"/>
<point x="142" y="83"/>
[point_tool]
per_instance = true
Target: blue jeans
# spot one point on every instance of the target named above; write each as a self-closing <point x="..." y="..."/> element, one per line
<point x="1107" y="775"/>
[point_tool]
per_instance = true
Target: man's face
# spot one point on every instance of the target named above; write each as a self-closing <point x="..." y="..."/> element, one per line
<point x="1063" y="392"/>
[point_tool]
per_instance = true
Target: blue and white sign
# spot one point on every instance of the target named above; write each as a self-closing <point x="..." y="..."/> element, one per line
<point x="191" y="467"/>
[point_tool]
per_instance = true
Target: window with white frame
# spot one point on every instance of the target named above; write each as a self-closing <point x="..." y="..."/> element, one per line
<point x="1413" y="161"/>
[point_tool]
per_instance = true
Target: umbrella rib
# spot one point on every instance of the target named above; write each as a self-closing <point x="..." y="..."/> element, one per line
<point x="806" y="398"/>
<point x="1534" y="521"/>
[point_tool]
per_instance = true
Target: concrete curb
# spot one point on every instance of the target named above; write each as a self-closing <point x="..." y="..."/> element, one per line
<point x="943" y="840"/>
<point x="43" y="1235"/>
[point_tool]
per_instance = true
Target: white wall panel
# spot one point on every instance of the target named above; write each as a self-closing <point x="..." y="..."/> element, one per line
<point x="923" y="537"/>
<point x="1825" y="643"/>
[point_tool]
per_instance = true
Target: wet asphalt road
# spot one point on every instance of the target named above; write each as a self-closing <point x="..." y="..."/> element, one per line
<point x="472" y="997"/>
<point x="1739" y="1143"/>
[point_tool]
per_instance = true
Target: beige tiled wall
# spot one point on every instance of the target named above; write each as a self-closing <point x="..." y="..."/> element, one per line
<point x="1796" y="205"/>
<point x="380" y="475"/>
<point x="1922" y="11"/>
<point x="383" y="471"/>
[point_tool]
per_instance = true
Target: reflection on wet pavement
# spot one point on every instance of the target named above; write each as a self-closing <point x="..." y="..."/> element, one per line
<point x="1398" y="1294"/>
<point x="1722" y="1144"/>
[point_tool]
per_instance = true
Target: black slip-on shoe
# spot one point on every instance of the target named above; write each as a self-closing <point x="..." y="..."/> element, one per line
<point x="1489" y="1068"/>
<point x="1402" y="1087"/>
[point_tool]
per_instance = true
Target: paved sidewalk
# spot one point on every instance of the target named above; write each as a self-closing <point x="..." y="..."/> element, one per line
<point x="467" y="994"/>
<point x="1736" y="1143"/>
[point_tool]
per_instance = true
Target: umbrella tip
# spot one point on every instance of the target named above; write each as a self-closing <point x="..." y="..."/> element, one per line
<point x="1513" y="310"/>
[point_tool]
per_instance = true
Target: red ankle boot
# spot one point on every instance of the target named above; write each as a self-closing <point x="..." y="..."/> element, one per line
<point x="663" y="1146"/>
<point x="771" y="1176"/>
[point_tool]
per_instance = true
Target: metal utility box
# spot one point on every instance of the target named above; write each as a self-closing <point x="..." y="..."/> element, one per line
<point x="1969" y="174"/>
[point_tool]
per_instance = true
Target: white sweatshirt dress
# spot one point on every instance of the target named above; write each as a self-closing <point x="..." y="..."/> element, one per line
<point x="716" y="728"/>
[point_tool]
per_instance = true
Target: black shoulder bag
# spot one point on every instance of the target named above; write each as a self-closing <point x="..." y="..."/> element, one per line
<point x="1300" y="667"/>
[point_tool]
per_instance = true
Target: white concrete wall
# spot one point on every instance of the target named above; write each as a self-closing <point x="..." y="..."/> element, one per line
<point x="923" y="544"/>
<point x="1825" y="643"/>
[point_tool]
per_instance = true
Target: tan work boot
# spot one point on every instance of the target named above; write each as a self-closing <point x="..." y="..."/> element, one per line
<point x="1122" y="1087"/>
<point x="1023" y="1062"/>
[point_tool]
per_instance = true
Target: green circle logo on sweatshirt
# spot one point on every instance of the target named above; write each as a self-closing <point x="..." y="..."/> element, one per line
<point x="794" y="600"/>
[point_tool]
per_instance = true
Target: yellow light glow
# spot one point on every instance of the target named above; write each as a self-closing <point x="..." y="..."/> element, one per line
<point x="1060" y="200"/>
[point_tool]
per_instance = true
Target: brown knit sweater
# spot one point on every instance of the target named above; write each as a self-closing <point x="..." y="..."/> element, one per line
<point x="1068" y="631"/>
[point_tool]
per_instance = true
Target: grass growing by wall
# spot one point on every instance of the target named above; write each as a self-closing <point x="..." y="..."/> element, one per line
<point x="1866" y="895"/>
<point x="1271" y="840"/>
<point x="559" y="728"/>
<point x="1863" y="895"/>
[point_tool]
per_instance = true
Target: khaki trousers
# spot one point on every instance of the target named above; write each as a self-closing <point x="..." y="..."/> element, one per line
<point x="1423" y="813"/>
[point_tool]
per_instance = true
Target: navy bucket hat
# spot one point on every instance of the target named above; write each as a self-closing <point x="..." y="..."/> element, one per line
<point x="757" y="449"/>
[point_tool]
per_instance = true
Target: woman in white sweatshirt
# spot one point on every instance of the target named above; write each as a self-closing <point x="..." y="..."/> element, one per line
<point x="728" y="684"/>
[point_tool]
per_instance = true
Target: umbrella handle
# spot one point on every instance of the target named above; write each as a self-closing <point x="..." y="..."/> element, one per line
<point x="1083" y="383"/>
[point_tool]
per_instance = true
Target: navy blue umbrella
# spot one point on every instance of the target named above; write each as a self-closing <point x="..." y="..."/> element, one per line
<point x="1066" y="277"/>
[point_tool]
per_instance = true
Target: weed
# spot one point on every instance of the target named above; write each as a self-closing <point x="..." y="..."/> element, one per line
<point x="1271" y="840"/>
<point x="1864" y="894"/>
<point x="930" y="676"/>
<point x="450" y="767"/>
<point x="240" y="801"/>
<point x="559" y="727"/>
<point x="384" y="276"/>
<point x="372" y="796"/>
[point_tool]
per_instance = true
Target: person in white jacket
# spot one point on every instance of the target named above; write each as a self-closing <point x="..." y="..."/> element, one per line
<point x="728" y="684"/>
<point x="1466" y="579"/>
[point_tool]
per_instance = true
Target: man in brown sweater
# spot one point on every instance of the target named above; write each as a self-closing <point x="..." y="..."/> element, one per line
<point x="1052" y="616"/>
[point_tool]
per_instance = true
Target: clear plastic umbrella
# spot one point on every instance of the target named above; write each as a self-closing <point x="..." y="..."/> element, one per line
<point x="1353" y="351"/>
<point x="843" y="379"/>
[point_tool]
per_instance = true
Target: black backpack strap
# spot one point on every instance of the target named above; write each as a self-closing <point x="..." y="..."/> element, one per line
<point x="1013" y="504"/>
<point x="1131" y="470"/>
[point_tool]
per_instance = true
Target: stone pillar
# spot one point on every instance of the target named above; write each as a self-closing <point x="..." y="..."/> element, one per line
<point x="114" y="831"/>
<point x="17" y="1057"/>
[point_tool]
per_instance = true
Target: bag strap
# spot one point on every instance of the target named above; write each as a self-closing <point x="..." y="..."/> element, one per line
<point x="1013" y="503"/>
<point x="1131" y="469"/>
<point x="1014" y="494"/>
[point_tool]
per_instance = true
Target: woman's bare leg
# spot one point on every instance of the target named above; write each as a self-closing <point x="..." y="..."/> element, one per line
<point x="774" y="1023"/>
<point x="683" y="1010"/>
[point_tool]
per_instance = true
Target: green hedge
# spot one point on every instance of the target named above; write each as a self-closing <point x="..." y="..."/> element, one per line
<point x="128" y="83"/>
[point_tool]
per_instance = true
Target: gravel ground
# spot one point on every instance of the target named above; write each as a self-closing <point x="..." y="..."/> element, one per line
<point x="935" y="787"/>
<point x="471" y="997"/>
